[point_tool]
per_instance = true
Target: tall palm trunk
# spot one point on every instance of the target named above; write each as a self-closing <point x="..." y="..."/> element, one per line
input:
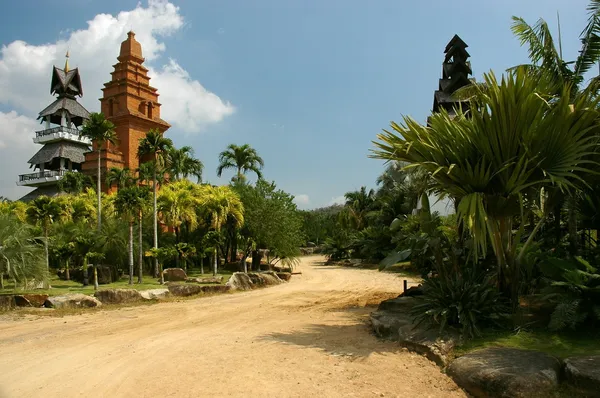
<point x="67" y="272"/>
<point x="215" y="262"/>
<point x="140" y="249"/>
<point x="155" y="222"/>
<point x="86" y="277"/>
<point x="96" y="275"/>
<point x="98" y="188"/>
<point x="47" y="255"/>
<point x="130" y="249"/>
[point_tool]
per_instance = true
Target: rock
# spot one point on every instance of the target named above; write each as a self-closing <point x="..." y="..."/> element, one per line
<point x="399" y="304"/>
<point x="253" y="280"/>
<point x="30" y="300"/>
<point x="73" y="300"/>
<point x="35" y="284"/>
<point x="7" y="303"/>
<point x="155" y="294"/>
<point x="310" y="244"/>
<point x="506" y="372"/>
<point x="174" y="275"/>
<point x="208" y="289"/>
<point x="239" y="281"/>
<point x="413" y="291"/>
<point x="393" y="321"/>
<point x="217" y="279"/>
<point x="584" y="373"/>
<point x="184" y="290"/>
<point x="118" y="296"/>
<point x="284" y="276"/>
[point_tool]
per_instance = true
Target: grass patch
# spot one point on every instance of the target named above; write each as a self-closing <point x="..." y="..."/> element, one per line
<point x="559" y="345"/>
<point x="60" y="287"/>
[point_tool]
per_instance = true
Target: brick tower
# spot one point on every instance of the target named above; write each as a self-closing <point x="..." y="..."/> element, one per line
<point x="132" y="105"/>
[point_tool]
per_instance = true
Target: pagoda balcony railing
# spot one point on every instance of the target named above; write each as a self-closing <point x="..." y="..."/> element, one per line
<point x="41" y="177"/>
<point x="60" y="133"/>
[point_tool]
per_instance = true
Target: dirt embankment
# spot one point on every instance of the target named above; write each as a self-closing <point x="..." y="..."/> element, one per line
<point x="305" y="338"/>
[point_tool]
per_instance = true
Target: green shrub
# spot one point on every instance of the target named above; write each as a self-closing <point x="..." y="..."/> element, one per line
<point x="466" y="300"/>
<point x="573" y="285"/>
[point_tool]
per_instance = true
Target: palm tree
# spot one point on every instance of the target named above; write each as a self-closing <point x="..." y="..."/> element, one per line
<point x="547" y="61"/>
<point x="177" y="204"/>
<point x="219" y="203"/>
<point x="73" y="182"/>
<point x="156" y="146"/>
<point x="517" y="139"/>
<point x="101" y="132"/>
<point x="43" y="211"/>
<point x="128" y="203"/>
<point x="20" y="258"/>
<point x="121" y="177"/>
<point x="242" y="158"/>
<point x="182" y="164"/>
<point x="358" y="204"/>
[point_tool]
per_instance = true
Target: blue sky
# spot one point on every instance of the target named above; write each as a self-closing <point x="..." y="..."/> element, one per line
<point x="312" y="82"/>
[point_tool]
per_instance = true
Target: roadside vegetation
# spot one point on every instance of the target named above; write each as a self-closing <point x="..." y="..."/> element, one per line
<point x="517" y="263"/>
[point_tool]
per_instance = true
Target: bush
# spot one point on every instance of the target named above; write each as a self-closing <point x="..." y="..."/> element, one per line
<point x="464" y="300"/>
<point x="573" y="285"/>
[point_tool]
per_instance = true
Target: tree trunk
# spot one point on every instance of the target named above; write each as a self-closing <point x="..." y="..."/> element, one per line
<point x="255" y="260"/>
<point x="96" y="275"/>
<point x="67" y="272"/>
<point x="155" y="222"/>
<point x="98" y="188"/>
<point x="215" y="255"/>
<point x="46" y="285"/>
<point x="86" y="278"/>
<point x="141" y="249"/>
<point x="1" y="280"/>
<point x="130" y="252"/>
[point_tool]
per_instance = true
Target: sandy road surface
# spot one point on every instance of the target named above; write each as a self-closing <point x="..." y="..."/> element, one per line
<point x="306" y="338"/>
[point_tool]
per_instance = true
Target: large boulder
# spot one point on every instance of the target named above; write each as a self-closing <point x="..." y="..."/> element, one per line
<point x="30" y="300"/>
<point x="584" y="373"/>
<point x="118" y="296"/>
<point x="393" y="321"/>
<point x="253" y="280"/>
<point x="506" y="373"/>
<point x="174" y="275"/>
<point x="7" y="303"/>
<point x="240" y="281"/>
<point x="209" y="280"/>
<point x="155" y="294"/>
<point x="73" y="300"/>
<point x="185" y="290"/>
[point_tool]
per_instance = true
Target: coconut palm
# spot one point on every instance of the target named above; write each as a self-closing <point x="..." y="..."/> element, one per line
<point x="182" y="164"/>
<point x="241" y="158"/>
<point x="156" y="146"/>
<point x="516" y="139"/>
<point x="101" y="132"/>
<point x="43" y="211"/>
<point x="358" y="204"/>
<point x="121" y="177"/>
<point x="219" y="203"/>
<point x="547" y="60"/>
<point x="177" y="204"/>
<point x="128" y="204"/>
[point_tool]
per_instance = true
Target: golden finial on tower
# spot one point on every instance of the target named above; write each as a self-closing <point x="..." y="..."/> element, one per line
<point x="67" y="62"/>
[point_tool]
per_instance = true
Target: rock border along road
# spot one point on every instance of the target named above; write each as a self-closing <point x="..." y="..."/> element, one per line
<point x="308" y="337"/>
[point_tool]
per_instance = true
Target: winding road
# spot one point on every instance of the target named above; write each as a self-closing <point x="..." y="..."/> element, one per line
<point x="305" y="338"/>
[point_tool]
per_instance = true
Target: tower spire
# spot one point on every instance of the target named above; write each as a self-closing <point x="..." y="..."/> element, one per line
<point x="67" y="62"/>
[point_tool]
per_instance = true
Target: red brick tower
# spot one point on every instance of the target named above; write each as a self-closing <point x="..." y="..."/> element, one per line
<point x="132" y="105"/>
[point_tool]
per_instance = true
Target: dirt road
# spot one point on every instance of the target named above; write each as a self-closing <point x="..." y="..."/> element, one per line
<point x="305" y="338"/>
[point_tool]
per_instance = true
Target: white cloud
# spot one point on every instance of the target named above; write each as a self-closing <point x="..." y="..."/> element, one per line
<point x="25" y="72"/>
<point x="16" y="147"/>
<point x="25" y="69"/>
<point x="302" y="199"/>
<point x="338" y="200"/>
